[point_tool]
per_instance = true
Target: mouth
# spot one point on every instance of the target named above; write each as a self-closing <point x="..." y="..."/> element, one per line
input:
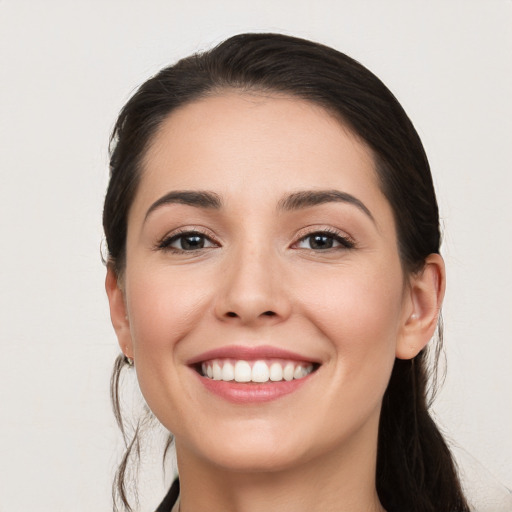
<point x="258" y="371"/>
<point x="252" y="374"/>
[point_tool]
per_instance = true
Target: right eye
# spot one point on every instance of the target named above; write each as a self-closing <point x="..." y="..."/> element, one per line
<point x="186" y="242"/>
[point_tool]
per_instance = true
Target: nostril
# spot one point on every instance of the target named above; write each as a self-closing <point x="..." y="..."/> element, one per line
<point x="232" y="314"/>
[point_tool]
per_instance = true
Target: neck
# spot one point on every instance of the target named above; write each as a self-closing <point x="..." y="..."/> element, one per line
<point x="338" y="481"/>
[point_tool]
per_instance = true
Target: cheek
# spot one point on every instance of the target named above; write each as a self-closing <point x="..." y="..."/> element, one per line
<point x="359" y="314"/>
<point x="163" y="307"/>
<point x="357" y="308"/>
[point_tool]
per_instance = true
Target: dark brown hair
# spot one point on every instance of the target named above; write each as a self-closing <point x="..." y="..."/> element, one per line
<point x="415" y="470"/>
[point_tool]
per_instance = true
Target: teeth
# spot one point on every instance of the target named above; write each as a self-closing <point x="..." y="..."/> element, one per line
<point x="258" y="371"/>
<point x="228" y="372"/>
<point x="297" y="374"/>
<point x="276" y="372"/>
<point x="243" y="371"/>
<point x="288" y="371"/>
<point x="217" y="371"/>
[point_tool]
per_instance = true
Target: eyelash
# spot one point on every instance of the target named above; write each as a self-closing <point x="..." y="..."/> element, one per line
<point x="165" y="244"/>
<point x="344" y="241"/>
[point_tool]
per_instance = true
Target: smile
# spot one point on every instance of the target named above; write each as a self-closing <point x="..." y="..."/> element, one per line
<point x="259" y="371"/>
<point x="245" y="375"/>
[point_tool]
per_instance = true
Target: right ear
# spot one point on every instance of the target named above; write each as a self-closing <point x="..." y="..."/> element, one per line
<point x="118" y="312"/>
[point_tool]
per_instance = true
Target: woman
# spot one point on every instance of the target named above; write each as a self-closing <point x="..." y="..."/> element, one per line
<point x="274" y="277"/>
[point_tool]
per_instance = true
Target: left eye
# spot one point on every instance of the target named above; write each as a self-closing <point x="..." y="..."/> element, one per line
<point x="323" y="241"/>
<point x="192" y="241"/>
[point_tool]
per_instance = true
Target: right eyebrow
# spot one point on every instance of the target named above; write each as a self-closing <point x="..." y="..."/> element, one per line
<point x="308" y="198"/>
<point x="199" y="199"/>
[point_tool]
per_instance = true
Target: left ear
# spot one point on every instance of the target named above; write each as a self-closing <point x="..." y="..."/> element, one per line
<point x="422" y="306"/>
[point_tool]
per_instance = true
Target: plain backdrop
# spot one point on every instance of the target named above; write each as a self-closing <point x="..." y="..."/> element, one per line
<point x="67" y="67"/>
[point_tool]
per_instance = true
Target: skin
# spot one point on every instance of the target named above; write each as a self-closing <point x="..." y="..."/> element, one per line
<point x="353" y="310"/>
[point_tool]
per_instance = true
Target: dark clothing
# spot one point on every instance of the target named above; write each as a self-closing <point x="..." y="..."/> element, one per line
<point x="171" y="498"/>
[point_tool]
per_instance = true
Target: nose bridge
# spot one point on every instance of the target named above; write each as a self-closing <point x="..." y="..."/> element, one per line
<point x="252" y="289"/>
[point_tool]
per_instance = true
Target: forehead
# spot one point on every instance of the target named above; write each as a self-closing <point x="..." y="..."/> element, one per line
<point x="255" y="145"/>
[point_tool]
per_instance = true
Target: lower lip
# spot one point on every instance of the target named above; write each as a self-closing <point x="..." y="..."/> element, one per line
<point x="246" y="393"/>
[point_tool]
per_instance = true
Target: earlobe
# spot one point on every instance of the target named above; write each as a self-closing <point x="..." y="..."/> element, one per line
<point x="422" y="308"/>
<point x="118" y="312"/>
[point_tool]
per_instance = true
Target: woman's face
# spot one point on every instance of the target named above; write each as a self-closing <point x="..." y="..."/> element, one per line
<point x="259" y="233"/>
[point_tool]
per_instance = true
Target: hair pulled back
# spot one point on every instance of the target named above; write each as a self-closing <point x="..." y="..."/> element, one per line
<point x="415" y="470"/>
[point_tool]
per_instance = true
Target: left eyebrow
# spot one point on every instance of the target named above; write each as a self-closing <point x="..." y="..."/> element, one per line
<point x="308" y="198"/>
<point x="199" y="199"/>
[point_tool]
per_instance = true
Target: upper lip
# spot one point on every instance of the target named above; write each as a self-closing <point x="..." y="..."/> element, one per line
<point x="246" y="353"/>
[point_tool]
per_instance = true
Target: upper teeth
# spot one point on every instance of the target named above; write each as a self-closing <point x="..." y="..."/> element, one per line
<point x="255" y="371"/>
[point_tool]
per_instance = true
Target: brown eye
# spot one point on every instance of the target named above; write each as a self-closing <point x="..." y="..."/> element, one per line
<point x="190" y="241"/>
<point x="322" y="241"/>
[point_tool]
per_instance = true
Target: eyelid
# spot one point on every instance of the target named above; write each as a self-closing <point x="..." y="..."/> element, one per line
<point x="164" y="242"/>
<point x="341" y="236"/>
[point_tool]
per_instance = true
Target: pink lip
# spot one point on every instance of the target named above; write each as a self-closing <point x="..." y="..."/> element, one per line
<point x="247" y="393"/>
<point x="248" y="354"/>
<point x="239" y="393"/>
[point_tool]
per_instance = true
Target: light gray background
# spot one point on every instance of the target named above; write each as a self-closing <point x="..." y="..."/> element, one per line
<point x="66" y="69"/>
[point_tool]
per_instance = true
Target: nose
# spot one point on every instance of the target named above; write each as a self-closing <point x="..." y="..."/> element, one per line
<point x="253" y="291"/>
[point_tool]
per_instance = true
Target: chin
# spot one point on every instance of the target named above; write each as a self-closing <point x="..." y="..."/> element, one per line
<point x="254" y="450"/>
<point x="256" y="460"/>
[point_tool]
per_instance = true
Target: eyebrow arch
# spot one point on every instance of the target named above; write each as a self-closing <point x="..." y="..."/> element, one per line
<point x="199" y="199"/>
<point x="307" y="198"/>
